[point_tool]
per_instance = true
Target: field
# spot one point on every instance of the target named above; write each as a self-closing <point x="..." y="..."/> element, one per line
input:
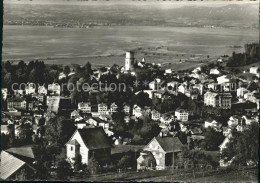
<point x="106" y="45"/>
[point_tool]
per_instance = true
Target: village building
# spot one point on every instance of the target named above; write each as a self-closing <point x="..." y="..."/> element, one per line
<point x="89" y="143"/>
<point x="226" y="131"/>
<point x="18" y="92"/>
<point x="126" y="109"/>
<point x="182" y="115"/>
<point x="162" y="149"/>
<point x="214" y="71"/>
<point x="85" y="107"/>
<point x="248" y="120"/>
<point x="234" y="121"/>
<point x="155" y="115"/>
<point x="16" y="102"/>
<point x="113" y="107"/>
<point x="42" y="90"/>
<point x="17" y="164"/>
<point x="213" y="124"/>
<point x="54" y="89"/>
<point x="137" y="111"/>
<point x="166" y="119"/>
<point x="222" y="146"/>
<point x="168" y="71"/>
<point x="4" y="93"/>
<point x="102" y="108"/>
<point x="241" y="92"/>
<point x="254" y="70"/>
<point x="74" y="114"/>
<point x="30" y="88"/>
<point x="218" y="100"/>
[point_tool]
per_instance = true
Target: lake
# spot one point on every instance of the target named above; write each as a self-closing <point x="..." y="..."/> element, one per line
<point x="106" y="44"/>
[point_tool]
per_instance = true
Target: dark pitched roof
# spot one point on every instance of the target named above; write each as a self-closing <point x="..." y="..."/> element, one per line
<point x="170" y="144"/>
<point x="21" y="151"/>
<point x="95" y="138"/>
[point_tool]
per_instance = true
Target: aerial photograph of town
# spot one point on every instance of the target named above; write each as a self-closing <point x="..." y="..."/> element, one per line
<point x="130" y="90"/>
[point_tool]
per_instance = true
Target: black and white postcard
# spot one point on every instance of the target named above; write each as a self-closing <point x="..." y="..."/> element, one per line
<point x="130" y="90"/>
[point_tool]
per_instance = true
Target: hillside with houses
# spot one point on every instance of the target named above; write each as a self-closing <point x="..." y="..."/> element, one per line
<point x="76" y="121"/>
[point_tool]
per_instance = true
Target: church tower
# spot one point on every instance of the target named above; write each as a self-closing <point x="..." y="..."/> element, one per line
<point x="129" y="60"/>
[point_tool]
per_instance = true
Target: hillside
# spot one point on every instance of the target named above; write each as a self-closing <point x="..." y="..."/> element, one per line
<point x="239" y="15"/>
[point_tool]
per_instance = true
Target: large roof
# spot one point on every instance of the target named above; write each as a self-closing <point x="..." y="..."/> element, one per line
<point x="9" y="165"/>
<point x="170" y="144"/>
<point x="95" y="138"/>
<point x="21" y="151"/>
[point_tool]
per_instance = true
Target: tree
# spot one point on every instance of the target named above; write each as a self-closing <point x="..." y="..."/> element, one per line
<point x="8" y="66"/>
<point x="11" y="132"/>
<point x="243" y="146"/>
<point x="58" y="131"/>
<point x="212" y="139"/>
<point x="125" y="161"/>
<point x="25" y="133"/>
<point x="63" y="170"/>
<point x="93" y="166"/>
<point x="8" y="80"/>
<point x="66" y="70"/>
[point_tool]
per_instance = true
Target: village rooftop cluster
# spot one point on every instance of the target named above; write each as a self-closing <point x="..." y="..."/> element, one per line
<point x="196" y="109"/>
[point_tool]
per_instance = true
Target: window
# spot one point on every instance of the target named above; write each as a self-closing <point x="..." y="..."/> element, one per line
<point x="71" y="148"/>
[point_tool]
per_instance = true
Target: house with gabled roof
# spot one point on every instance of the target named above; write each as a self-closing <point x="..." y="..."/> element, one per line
<point x="213" y="124"/>
<point x="75" y="114"/>
<point x="17" y="164"/>
<point x="87" y="143"/>
<point x="155" y="115"/>
<point x="163" y="149"/>
<point x="113" y="107"/>
<point x="85" y="107"/>
<point x="181" y="114"/>
<point x="16" y="102"/>
<point x="102" y="108"/>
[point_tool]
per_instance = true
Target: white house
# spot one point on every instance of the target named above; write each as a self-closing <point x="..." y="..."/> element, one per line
<point x="250" y="119"/>
<point x="166" y="119"/>
<point x="181" y="115"/>
<point x="62" y="75"/>
<point x="85" y="107"/>
<point x="54" y="89"/>
<point x="89" y="143"/>
<point x="226" y="131"/>
<point x="222" y="146"/>
<point x="102" y="108"/>
<point x="113" y="107"/>
<point x="30" y="88"/>
<point x="213" y="124"/>
<point x="137" y="111"/>
<point x="214" y="71"/>
<point x="224" y="79"/>
<point x="182" y="88"/>
<point x="74" y="114"/>
<point x="254" y="70"/>
<point x="4" y="93"/>
<point x="155" y="115"/>
<point x="168" y="71"/>
<point x="42" y="90"/>
<point x="241" y="92"/>
<point x="126" y="109"/>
